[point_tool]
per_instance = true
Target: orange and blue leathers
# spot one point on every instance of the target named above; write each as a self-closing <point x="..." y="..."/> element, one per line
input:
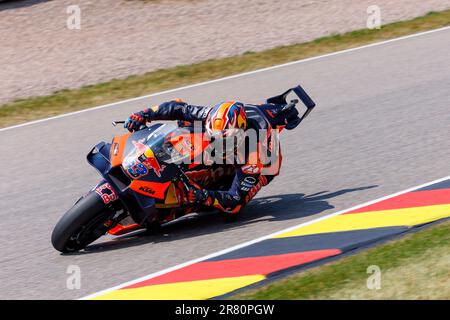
<point x="248" y="179"/>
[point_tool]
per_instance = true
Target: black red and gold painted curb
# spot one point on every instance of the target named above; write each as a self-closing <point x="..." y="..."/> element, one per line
<point x="324" y="238"/>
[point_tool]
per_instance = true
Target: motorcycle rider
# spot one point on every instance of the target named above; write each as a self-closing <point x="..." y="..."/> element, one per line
<point x="221" y="119"/>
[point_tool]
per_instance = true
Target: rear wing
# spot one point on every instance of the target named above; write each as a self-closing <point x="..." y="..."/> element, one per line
<point x="304" y="97"/>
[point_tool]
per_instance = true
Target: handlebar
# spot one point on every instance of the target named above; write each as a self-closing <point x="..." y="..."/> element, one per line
<point x="115" y="123"/>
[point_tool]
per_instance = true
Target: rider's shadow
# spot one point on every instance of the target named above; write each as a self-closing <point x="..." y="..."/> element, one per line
<point x="292" y="206"/>
<point x="7" y="5"/>
<point x="273" y="208"/>
<point x="285" y="206"/>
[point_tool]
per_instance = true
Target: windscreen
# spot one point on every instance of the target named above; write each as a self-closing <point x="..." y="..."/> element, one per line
<point x="152" y="144"/>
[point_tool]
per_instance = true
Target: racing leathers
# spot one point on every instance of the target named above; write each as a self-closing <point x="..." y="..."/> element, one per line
<point x="248" y="178"/>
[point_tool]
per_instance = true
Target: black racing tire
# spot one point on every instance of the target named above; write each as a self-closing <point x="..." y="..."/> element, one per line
<point x="153" y="228"/>
<point x="230" y="217"/>
<point x="82" y="224"/>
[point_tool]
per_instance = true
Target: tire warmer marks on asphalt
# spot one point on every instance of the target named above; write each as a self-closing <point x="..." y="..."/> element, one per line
<point x="323" y="239"/>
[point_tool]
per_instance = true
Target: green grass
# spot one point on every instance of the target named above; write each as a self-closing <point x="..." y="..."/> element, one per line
<point x="416" y="266"/>
<point x="75" y="99"/>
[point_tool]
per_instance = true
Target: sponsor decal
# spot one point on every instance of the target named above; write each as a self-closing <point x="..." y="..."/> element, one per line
<point x="107" y="193"/>
<point x="138" y="163"/>
<point x="137" y="170"/>
<point x="253" y="191"/>
<point x="247" y="183"/>
<point x="251" y="169"/>
<point x="115" y="149"/>
<point x="151" y="163"/>
<point x="147" y="190"/>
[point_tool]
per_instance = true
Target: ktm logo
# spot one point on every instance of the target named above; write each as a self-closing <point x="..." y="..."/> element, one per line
<point x="147" y="190"/>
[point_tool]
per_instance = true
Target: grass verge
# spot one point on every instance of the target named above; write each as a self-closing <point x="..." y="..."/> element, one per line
<point x="415" y="267"/>
<point x="63" y="101"/>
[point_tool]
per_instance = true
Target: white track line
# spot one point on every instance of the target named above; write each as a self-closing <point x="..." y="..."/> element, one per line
<point x="245" y="244"/>
<point x="225" y="78"/>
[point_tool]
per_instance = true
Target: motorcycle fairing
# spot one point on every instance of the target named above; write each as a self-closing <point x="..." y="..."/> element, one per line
<point x="117" y="149"/>
<point x="99" y="158"/>
<point x="143" y="155"/>
<point x="150" y="189"/>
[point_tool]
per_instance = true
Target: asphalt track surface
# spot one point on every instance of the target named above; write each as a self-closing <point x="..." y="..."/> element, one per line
<point x="381" y="125"/>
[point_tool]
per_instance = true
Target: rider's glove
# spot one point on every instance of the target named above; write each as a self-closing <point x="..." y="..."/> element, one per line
<point x="196" y="195"/>
<point x="287" y="117"/>
<point x="135" y="121"/>
<point x="291" y="118"/>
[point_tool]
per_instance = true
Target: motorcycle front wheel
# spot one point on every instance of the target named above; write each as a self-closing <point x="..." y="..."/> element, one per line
<point x="84" y="223"/>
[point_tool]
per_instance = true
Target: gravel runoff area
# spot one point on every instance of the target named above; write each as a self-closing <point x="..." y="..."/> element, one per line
<point x="118" y="38"/>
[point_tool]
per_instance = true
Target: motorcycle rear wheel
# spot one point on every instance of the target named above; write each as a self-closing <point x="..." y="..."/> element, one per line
<point x="84" y="223"/>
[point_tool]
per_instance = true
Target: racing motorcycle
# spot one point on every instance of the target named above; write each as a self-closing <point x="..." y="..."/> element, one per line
<point x="144" y="180"/>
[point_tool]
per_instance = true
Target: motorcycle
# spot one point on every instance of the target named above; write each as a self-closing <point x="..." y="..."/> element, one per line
<point x="145" y="181"/>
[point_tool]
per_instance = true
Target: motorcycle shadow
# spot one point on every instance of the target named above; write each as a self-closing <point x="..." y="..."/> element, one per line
<point x="12" y="4"/>
<point x="272" y="208"/>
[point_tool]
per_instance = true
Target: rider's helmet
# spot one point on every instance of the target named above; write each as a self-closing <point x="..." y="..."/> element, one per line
<point x="227" y="120"/>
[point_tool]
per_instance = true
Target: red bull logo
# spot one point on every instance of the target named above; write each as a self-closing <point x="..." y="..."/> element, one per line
<point x="141" y="160"/>
<point x="151" y="162"/>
